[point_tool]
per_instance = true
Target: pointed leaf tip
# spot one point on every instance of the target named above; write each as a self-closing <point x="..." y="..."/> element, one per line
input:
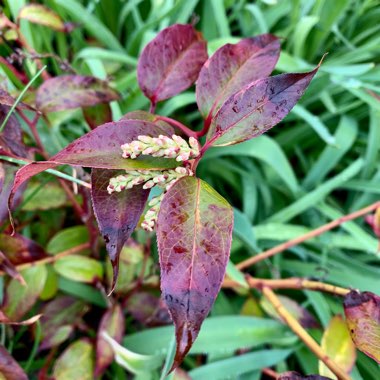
<point x="194" y="231"/>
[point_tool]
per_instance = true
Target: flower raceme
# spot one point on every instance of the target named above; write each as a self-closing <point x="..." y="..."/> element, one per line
<point x="162" y="146"/>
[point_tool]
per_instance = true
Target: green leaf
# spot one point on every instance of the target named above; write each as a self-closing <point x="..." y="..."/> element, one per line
<point x="79" y="268"/>
<point x="76" y="362"/>
<point x="67" y="238"/>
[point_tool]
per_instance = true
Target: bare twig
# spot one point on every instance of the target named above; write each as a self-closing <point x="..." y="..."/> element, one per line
<point x="303" y="335"/>
<point x="318" y="231"/>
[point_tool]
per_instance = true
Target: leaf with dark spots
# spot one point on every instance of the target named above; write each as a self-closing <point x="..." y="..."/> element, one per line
<point x="113" y="324"/>
<point x="73" y="91"/>
<point x="362" y="312"/>
<point x="59" y="319"/>
<point x="9" y="368"/>
<point x="291" y="375"/>
<point x="101" y="148"/>
<point x="257" y="108"/>
<point x="117" y="213"/>
<point x="20" y="250"/>
<point x="97" y="115"/>
<point x="192" y="273"/>
<point x="171" y="62"/>
<point x="232" y="67"/>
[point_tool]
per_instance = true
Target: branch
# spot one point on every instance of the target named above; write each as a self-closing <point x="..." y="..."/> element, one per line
<point x="303" y="335"/>
<point x="296" y="283"/>
<point x="318" y="231"/>
<point x="187" y="131"/>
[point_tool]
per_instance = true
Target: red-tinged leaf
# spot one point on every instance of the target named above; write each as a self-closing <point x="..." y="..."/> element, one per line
<point x="306" y="319"/>
<point x="20" y="250"/>
<point x="59" y="319"/>
<point x="39" y="14"/>
<point x="194" y="230"/>
<point x="232" y="67"/>
<point x="18" y="298"/>
<point x="97" y="115"/>
<point x="257" y="108"/>
<point x="73" y="91"/>
<point x="9" y="368"/>
<point x="337" y="344"/>
<point x="148" y="309"/>
<point x="100" y="148"/>
<point x="113" y="324"/>
<point x="76" y="362"/>
<point x="291" y="375"/>
<point x="362" y="312"/>
<point x="8" y="100"/>
<point x="374" y="221"/>
<point x="7" y="267"/>
<point x="171" y="62"/>
<point x="4" y="319"/>
<point x="117" y="213"/>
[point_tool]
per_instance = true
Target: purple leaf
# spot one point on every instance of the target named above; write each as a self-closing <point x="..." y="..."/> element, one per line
<point x="8" y="100"/>
<point x="171" y="62"/>
<point x="232" y="67"/>
<point x="194" y="230"/>
<point x="113" y="324"/>
<point x="9" y="368"/>
<point x="362" y="312"/>
<point x="7" y="267"/>
<point x="73" y="91"/>
<point x="97" y="115"/>
<point x="117" y="213"/>
<point x="100" y="148"/>
<point x="257" y="108"/>
<point x="4" y="319"/>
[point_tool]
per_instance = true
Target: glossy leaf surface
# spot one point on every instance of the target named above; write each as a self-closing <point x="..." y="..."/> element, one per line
<point x="232" y="67"/>
<point x="9" y="368"/>
<point x="73" y="91"/>
<point x="117" y="213"/>
<point x="42" y="15"/>
<point x="113" y="324"/>
<point x="337" y="344"/>
<point x="257" y="108"/>
<point x="194" y="231"/>
<point x="363" y="319"/>
<point x="171" y="62"/>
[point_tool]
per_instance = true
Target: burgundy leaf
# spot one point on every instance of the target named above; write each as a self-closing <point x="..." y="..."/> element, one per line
<point x="232" y="67"/>
<point x="113" y="324"/>
<point x="100" y="148"/>
<point x="20" y="250"/>
<point x="257" y="108"/>
<point x="73" y="91"/>
<point x="59" y="319"/>
<point x="362" y="312"/>
<point x="148" y="309"/>
<point x="291" y="375"/>
<point x="171" y="62"/>
<point x="97" y="115"/>
<point x="194" y="232"/>
<point x="9" y="368"/>
<point x="117" y="213"/>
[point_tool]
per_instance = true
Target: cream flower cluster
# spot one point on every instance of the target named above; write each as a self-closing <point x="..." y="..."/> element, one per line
<point x="162" y="146"/>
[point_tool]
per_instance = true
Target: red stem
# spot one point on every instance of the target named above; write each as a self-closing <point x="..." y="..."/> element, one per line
<point x="187" y="131"/>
